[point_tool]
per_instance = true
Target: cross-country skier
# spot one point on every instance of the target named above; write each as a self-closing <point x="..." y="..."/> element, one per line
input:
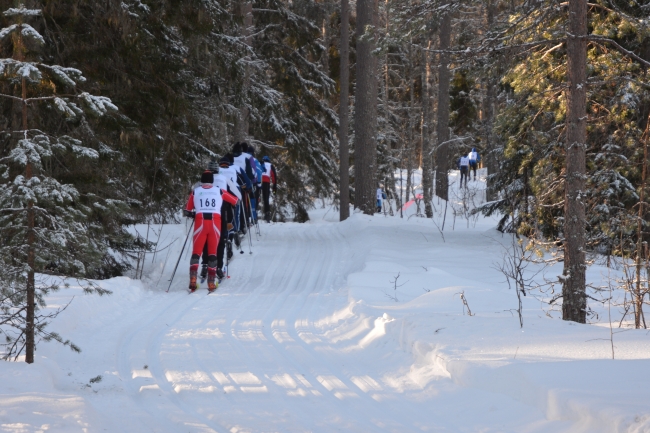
<point x="381" y="196"/>
<point x="474" y="159"/>
<point x="259" y="171"/>
<point x="245" y="187"/>
<point x="463" y="166"/>
<point x="242" y="160"/>
<point x="204" y="205"/>
<point x="239" y="177"/>
<point x="224" y="181"/>
<point x="268" y="177"/>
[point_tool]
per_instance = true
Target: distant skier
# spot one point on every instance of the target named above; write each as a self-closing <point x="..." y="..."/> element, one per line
<point x="269" y="176"/>
<point x="259" y="172"/>
<point x="463" y="166"/>
<point x="241" y="159"/>
<point x="381" y="196"/>
<point x="474" y="159"/>
<point x="204" y="205"/>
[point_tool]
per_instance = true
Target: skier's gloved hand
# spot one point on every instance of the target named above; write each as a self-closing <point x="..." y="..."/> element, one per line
<point x="189" y="214"/>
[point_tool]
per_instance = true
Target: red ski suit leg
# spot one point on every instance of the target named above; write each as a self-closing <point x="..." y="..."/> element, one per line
<point x="206" y="231"/>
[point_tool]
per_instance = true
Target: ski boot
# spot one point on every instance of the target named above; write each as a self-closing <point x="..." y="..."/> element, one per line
<point x="204" y="272"/>
<point x="220" y="275"/>
<point x="212" y="279"/>
<point x="194" y="270"/>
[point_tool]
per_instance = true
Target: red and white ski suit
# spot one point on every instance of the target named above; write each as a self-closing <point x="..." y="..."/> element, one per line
<point x="206" y="200"/>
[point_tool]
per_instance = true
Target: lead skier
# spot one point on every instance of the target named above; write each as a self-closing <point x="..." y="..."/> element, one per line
<point x="204" y="205"/>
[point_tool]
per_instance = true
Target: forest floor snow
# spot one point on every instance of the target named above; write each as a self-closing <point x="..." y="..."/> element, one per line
<point x="312" y="333"/>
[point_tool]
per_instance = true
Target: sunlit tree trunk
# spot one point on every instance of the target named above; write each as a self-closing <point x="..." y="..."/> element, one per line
<point x="443" y="154"/>
<point x="574" y="304"/>
<point x="489" y="156"/>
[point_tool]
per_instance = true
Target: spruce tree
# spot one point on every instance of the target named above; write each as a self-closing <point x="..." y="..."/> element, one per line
<point x="44" y="225"/>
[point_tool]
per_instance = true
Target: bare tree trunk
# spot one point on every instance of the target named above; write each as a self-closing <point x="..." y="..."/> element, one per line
<point x="574" y="306"/>
<point x="491" y="162"/>
<point x="344" y="155"/>
<point x="365" y="153"/>
<point x="410" y="151"/>
<point x="427" y="182"/>
<point x="242" y="121"/>
<point x="443" y="154"/>
<point x="640" y="294"/>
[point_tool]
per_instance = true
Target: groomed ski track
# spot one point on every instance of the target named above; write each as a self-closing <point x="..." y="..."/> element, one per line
<point x="282" y="347"/>
<point x="251" y="354"/>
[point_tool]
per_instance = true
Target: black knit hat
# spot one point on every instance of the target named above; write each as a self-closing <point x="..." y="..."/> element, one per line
<point x="224" y="162"/>
<point x="207" y="177"/>
<point x="237" y="148"/>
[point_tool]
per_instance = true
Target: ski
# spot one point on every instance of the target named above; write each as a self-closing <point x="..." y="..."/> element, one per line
<point x="219" y="281"/>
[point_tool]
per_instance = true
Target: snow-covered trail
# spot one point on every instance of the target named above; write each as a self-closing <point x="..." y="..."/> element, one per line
<point x="283" y="347"/>
<point x="310" y="334"/>
<point x="251" y="357"/>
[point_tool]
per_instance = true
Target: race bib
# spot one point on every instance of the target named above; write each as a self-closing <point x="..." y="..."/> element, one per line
<point x="207" y="200"/>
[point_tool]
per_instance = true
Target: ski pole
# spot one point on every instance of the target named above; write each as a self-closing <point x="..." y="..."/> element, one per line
<point x="179" y="257"/>
<point x="275" y="207"/>
<point x="228" y="249"/>
<point x="250" y="205"/>
<point x="250" y="242"/>
<point x="250" y="237"/>
<point x="241" y="212"/>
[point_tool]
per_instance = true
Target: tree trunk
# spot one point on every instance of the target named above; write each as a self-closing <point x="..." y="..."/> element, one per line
<point x="344" y="155"/>
<point x="241" y="122"/>
<point x="411" y="147"/>
<point x="443" y="154"/>
<point x="640" y="294"/>
<point x="574" y="306"/>
<point x="365" y="114"/>
<point x="489" y="155"/>
<point x="427" y="182"/>
<point x="30" y="344"/>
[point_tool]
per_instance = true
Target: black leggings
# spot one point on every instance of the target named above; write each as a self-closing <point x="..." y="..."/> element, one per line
<point x="464" y="173"/>
<point x="266" y="194"/>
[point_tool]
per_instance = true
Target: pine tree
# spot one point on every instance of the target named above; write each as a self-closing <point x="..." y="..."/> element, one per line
<point x="44" y="226"/>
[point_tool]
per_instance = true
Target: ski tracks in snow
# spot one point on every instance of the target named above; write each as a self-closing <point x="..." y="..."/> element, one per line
<point x="249" y="357"/>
